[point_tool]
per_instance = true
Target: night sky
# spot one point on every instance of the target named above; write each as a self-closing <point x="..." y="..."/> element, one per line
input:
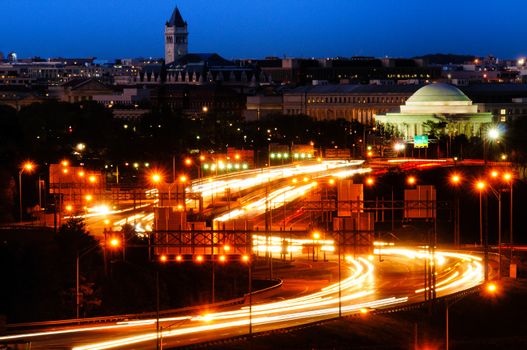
<point x="258" y="28"/>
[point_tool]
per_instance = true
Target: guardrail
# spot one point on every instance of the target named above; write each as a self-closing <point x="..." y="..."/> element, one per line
<point x="127" y="317"/>
<point x="357" y="314"/>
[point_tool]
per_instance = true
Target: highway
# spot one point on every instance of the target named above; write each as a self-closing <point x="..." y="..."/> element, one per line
<point x="250" y="193"/>
<point x="367" y="284"/>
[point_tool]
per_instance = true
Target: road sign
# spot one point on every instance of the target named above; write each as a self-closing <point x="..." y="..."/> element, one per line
<point x="421" y="141"/>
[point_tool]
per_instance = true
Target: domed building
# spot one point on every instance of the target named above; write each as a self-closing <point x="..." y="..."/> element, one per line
<point x="442" y="104"/>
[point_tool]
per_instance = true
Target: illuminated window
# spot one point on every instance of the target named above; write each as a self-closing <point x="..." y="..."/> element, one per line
<point x="503" y="111"/>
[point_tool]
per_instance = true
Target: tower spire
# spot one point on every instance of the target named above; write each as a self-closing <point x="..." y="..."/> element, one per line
<point x="176" y="37"/>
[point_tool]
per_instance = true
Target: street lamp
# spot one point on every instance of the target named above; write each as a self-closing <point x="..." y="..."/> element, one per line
<point x="113" y="243"/>
<point x="492" y="134"/>
<point x="398" y="147"/>
<point x="247" y="259"/>
<point x="316" y="237"/>
<point x="455" y="180"/>
<point x="156" y="178"/>
<point x="27" y="167"/>
<point x="508" y="178"/>
<point x="490" y="290"/>
<point x="481" y="186"/>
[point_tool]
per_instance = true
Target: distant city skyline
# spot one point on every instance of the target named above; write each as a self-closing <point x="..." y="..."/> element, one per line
<point x="254" y="29"/>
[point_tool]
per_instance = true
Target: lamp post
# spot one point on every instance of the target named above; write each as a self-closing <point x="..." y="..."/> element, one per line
<point x="155" y="179"/>
<point x="490" y="290"/>
<point x="480" y="186"/>
<point x="508" y="178"/>
<point x="455" y="180"/>
<point x="189" y="162"/>
<point x="27" y="167"/>
<point x="316" y="237"/>
<point x="114" y="243"/>
<point x="248" y="260"/>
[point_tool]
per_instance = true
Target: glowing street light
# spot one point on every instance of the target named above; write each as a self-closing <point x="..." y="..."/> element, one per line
<point x="28" y="168"/>
<point x="491" y="288"/>
<point x="399" y="146"/>
<point x="493" y="133"/>
<point x="411" y="180"/>
<point x="455" y="179"/>
<point x="115" y="242"/>
<point x="155" y="177"/>
<point x="370" y="181"/>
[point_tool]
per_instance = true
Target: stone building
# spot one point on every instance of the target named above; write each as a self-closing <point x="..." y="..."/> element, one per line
<point x="351" y="102"/>
<point x="176" y="37"/>
<point x="443" y="104"/>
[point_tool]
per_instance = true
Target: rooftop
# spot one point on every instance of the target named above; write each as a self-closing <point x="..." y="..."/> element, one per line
<point x="439" y="92"/>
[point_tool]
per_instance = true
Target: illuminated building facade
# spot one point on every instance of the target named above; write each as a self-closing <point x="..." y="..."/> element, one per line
<point x="441" y="104"/>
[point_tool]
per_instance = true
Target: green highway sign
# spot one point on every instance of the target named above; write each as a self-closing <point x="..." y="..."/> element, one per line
<point x="421" y="141"/>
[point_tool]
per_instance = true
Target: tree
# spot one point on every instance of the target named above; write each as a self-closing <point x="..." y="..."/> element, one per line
<point x="73" y="239"/>
<point x="435" y="129"/>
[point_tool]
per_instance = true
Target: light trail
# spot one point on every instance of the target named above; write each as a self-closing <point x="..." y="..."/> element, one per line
<point x="276" y="198"/>
<point x="118" y="325"/>
<point x="290" y="245"/>
<point x="472" y="274"/>
<point x="459" y="271"/>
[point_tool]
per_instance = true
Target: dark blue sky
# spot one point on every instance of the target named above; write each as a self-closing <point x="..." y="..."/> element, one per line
<point x="258" y="28"/>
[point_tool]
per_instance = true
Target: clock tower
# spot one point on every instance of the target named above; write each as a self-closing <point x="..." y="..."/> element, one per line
<point x="176" y="37"/>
